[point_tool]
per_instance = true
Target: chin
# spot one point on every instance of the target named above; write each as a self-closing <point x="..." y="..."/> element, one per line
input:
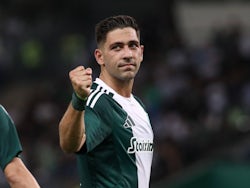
<point x="128" y="78"/>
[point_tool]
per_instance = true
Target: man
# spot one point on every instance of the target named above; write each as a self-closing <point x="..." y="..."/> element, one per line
<point x="16" y="173"/>
<point x="105" y="124"/>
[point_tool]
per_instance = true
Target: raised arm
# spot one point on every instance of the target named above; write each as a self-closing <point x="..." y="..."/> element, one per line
<point x="71" y="127"/>
<point x="18" y="176"/>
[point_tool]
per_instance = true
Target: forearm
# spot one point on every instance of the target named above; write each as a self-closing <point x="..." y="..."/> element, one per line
<point x="71" y="127"/>
<point x="18" y="176"/>
<point x="72" y="130"/>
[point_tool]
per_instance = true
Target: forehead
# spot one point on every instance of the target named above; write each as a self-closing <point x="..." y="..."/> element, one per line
<point x="121" y="35"/>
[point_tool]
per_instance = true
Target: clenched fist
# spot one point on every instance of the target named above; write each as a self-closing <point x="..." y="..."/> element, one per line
<point x="81" y="80"/>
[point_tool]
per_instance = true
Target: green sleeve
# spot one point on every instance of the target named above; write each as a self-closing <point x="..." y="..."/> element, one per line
<point x="10" y="146"/>
<point x="97" y="122"/>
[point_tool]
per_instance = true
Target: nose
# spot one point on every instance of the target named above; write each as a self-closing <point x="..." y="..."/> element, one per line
<point x="127" y="53"/>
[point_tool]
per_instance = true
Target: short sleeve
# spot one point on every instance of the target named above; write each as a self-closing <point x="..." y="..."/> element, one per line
<point x="97" y="123"/>
<point x="10" y="146"/>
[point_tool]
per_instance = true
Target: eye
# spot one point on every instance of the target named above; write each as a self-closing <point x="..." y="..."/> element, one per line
<point x="133" y="45"/>
<point x="116" y="47"/>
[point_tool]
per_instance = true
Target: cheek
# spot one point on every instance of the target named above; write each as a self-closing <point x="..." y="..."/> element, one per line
<point x="111" y="59"/>
<point x="108" y="62"/>
<point x="108" y="57"/>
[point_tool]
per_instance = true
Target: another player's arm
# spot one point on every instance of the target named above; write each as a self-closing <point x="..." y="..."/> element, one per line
<point x="71" y="127"/>
<point x="18" y="176"/>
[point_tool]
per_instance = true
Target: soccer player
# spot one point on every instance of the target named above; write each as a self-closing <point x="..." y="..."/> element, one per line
<point x="105" y="124"/>
<point x="16" y="173"/>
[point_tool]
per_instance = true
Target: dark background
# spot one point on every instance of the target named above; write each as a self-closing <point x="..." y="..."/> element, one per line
<point x="197" y="95"/>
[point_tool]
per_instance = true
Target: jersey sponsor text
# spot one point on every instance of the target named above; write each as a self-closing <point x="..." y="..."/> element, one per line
<point x="137" y="145"/>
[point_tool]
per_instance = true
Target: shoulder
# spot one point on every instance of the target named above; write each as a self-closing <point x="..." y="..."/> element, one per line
<point x="99" y="97"/>
<point x="3" y="112"/>
<point x="2" y="109"/>
<point x="4" y="116"/>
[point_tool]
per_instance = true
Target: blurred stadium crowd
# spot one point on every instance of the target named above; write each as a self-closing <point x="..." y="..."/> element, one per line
<point x="198" y="97"/>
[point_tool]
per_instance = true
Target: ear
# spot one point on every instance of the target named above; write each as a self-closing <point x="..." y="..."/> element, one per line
<point x="142" y="50"/>
<point x="99" y="56"/>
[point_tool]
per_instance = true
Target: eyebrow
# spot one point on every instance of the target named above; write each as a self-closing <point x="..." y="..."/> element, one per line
<point x="122" y="43"/>
<point x="116" y="43"/>
<point x="134" y="42"/>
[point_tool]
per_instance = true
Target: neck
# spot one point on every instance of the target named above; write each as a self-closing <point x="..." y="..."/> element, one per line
<point x="122" y="87"/>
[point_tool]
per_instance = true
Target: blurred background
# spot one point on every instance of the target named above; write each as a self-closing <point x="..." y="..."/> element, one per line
<point x="194" y="81"/>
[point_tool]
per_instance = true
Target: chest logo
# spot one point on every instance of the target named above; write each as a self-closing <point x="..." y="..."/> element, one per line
<point x="128" y="122"/>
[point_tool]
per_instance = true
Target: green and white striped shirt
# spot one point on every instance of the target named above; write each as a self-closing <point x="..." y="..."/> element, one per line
<point x="118" y="150"/>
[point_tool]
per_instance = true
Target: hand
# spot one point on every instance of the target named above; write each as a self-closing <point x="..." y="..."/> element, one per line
<point x="81" y="80"/>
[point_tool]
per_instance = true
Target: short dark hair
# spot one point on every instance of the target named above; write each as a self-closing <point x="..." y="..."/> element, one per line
<point x="114" y="22"/>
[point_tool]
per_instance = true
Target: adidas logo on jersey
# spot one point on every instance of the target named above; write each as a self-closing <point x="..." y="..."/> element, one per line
<point x="128" y="122"/>
<point x="137" y="145"/>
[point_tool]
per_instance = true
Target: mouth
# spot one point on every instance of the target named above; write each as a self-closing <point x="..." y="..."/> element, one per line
<point x="127" y="65"/>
